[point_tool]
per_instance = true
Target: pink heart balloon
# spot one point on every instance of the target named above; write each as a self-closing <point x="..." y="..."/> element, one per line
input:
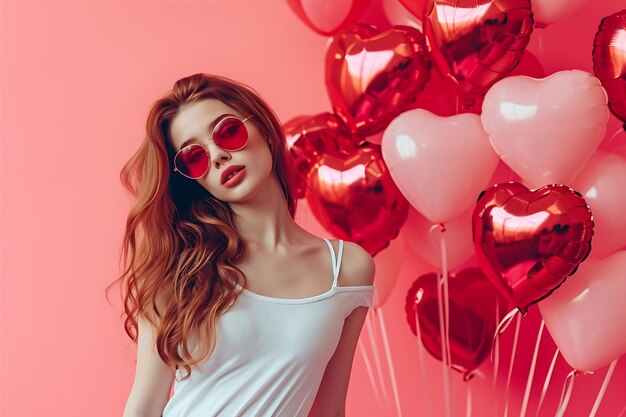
<point x="546" y="129"/>
<point x="388" y="265"/>
<point x="440" y="164"/>
<point x="602" y="183"/>
<point x="327" y="17"/>
<point x="586" y="316"/>
<point x="398" y="14"/>
<point x="549" y="11"/>
<point x="425" y="241"/>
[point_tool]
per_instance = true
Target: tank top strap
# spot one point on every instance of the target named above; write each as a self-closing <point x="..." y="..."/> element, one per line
<point x="336" y="260"/>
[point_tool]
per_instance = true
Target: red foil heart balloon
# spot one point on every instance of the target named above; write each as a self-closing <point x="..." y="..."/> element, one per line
<point x="372" y="77"/>
<point x="472" y="316"/>
<point x="474" y="43"/>
<point x="529" y="242"/>
<point x="308" y="136"/>
<point x="609" y="61"/>
<point x="352" y="194"/>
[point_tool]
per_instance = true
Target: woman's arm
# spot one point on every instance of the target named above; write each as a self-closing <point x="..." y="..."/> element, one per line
<point x="330" y="400"/>
<point x="153" y="378"/>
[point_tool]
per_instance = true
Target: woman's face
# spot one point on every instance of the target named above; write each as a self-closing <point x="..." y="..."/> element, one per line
<point x="194" y="124"/>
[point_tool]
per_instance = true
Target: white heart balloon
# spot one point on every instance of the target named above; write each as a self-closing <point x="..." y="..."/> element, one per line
<point x="546" y="12"/>
<point x="586" y="315"/>
<point x="602" y="182"/>
<point x="546" y="129"/>
<point x="440" y="164"/>
<point x="425" y="241"/>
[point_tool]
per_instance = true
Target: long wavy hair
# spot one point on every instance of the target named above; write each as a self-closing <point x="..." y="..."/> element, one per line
<point x="180" y="246"/>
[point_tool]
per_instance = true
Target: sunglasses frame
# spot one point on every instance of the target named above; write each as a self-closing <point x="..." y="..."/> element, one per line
<point x="211" y="138"/>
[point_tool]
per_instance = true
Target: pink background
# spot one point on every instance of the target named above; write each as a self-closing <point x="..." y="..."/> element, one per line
<point x="77" y="80"/>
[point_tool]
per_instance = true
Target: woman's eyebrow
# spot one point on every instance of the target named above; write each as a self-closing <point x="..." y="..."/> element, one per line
<point x="211" y="127"/>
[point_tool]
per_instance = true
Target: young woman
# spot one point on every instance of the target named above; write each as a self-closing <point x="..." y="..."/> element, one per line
<point x="244" y="310"/>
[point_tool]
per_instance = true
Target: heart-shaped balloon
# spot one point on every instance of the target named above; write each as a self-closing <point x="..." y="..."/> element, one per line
<point x="472" y="316"/>
<point x="327" y="17"/>
<point x="546" y="12"/>
<point x="474" y="43"/>
<point x="352" y="194"/>
<point x="439" y="163"/>
<point x="609" y="61"/>
<point x="398" y="14"/>
<point x="586" y="316"/>
<point x="529" y="242"/>
<point x="372" y="77"/>
<point x="388" y="266"/>
<point x="602" y="184"/>
<point x="546" y="129"/>
<point x="307" y="136"/>
<point x="425" y="241"/>
<point x="444" y="99"/>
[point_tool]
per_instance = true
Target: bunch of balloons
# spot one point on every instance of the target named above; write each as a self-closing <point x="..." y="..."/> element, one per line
<point x="379" y="162"/>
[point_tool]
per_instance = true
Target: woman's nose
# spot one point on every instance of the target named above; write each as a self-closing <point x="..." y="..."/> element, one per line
<point x="217" y="155"/>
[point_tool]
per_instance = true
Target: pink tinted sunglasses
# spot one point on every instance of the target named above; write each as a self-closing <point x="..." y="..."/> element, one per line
<point x="230" y="134"/>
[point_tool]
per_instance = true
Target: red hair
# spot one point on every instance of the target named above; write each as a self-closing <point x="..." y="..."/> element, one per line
<point x="180" y="246"/>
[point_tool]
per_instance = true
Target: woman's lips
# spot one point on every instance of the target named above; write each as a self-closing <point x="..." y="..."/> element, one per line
<point x="228" y="171"/>
<point x="236" y="179"/>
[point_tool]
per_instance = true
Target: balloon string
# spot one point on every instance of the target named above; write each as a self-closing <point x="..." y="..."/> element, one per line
<point x="379" y="372"/>
<point x="504" y="323"/>
<point x="441" y="302"/>
<point x="496" y="365"/>
<point x="568" y="385"/>
<point x="390" y="367"/>
<point x="607" y="378"/>
<point x="468" y="405"/>
<point x="446" y="290"/>
<point x="507" y="320"/>
<point x="513" y="352"/>
<point x="476" y="373"/>
<point x="531" y="371"/>
<point x="379" y="363"/>
<point x="444" y="361"/>
<point x="444" y="268"/>
<point x="614" y="135"/>
<point x="370" y="373"/>
<point x="546" y="383"/>
<point x="422" y="362"/>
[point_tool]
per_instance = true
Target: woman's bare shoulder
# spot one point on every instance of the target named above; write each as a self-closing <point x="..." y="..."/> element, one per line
<point x="357" y="266"/>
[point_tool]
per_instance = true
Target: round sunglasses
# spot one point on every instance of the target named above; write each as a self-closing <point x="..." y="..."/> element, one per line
<point x="229" y="134"/>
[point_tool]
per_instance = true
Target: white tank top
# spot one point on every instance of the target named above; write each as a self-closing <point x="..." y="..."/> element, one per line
<point x="270" y="354"/>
